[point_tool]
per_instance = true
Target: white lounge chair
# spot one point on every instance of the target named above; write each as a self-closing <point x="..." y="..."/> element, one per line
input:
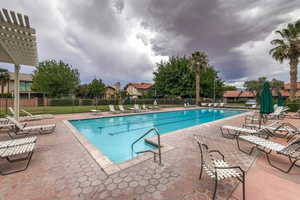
<point x="26" y="118"/>
<point x="17" y="151"/>
<point x="37" y="117"/>
<point x="136" y="108"/>
<point x="112" y="109"/>
<point x="144" y="107"/>
<point x="16" y="142"/>
<point x="21" y="129"/>
<point x="221" y="104"/>
<point x="215" y="104"/>
<point x="122" y="109"/>
<point x="291" y="150"/>
<point x="203" y="104"/>
<point x="95" y="112"/>
<point x="234" y="131"/>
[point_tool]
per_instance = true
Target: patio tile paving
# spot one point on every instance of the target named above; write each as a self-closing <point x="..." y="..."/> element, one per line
<point x="61" y="168"/>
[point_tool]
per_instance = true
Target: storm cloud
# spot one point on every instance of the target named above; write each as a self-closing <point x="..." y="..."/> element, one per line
<point x="121" y="40"/>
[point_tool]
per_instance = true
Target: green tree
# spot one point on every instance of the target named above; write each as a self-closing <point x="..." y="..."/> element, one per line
<point x="55" y="78"/>
<point x="198" y="63"/>
<point x="82" y="91"/>
<point x="276" y="85"/>
<point x="4" y="78"/>
<point x="229" y="87"/>
<point x="96" y="89"/>
<point x="288" y="48"/>
<point x="174" y="78"/>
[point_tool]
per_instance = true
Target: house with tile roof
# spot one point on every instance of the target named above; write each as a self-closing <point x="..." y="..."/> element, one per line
<point x="136" y="90"/>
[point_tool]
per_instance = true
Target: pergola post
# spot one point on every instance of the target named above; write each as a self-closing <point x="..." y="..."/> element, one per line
<point x="16" y="93"/>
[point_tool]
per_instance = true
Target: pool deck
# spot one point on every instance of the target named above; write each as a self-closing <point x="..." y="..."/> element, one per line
<point x="62" y="169"/>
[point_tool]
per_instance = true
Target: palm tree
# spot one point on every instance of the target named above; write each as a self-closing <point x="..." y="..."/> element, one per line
<point x="288" y="48"/>
<point x="198" y="63"/>
<point x="4" y="78"/>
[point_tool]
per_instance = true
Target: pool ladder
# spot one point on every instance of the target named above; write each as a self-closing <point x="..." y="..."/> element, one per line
<point x="158" y="143"/>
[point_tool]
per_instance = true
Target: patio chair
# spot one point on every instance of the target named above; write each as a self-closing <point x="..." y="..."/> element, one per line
<point x="234" y="131"/>
<point x="278" y="113"/>
<point x="136" y="108"/>
<point x="16" y="142"/>
<point x="203" y="104"/>
<point x="218" y="169"/>
<point x="278" y="126"/>
<point x="291" y="150"/>
<point x="254" y="106"/>
<point x="112" y="109"/>
<point x="209" y="104"/>
<point x="11" y="110"/>
<point x="295" y="115"/>
<point x="122" y="109"/>
<point x="144" y="107"/>
<point x="95" y="112"/>
<point x="216" y="104"/>
<point x="22" y="129"/>
<point x="37" y="117"/>
<point x="10" y="152"/>
<point x="221" y="104"/>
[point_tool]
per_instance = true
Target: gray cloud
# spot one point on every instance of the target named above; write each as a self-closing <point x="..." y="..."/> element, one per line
<point x="121" y="40"/>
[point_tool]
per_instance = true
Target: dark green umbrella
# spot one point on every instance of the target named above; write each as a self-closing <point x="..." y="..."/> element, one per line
<point x="127" y="100"/>
<point x="280" y="99"/>
<point x="266" y="101"/>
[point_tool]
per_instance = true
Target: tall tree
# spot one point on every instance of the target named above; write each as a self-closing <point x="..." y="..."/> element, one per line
<point x="4" y="79"/>
<point x="288" y="48"/>
<point x="55" y="78"/>
<point x="198" y="63"/>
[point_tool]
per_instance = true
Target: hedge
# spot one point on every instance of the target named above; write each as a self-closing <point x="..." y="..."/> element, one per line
<point x="293" y="106"/>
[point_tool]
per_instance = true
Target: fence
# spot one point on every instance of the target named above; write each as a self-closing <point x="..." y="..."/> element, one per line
<point x="9" y="102"/>
<point x="93" y="102"/>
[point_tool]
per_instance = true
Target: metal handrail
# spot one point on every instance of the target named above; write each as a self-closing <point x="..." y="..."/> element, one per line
<point x="158" y="142"/>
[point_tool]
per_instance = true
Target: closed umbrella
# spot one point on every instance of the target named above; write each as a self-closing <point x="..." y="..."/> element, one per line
<point x="280" y="100"/>
<point x="266" y="101"/>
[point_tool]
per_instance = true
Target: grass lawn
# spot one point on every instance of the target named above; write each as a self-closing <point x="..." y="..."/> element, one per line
<point x="70" y="109"/>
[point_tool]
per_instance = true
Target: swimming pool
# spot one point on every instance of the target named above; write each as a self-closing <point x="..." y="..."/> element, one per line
<point x="113" y="136"/>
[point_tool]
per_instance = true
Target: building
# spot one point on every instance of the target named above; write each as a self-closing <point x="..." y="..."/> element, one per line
<point x="25" y="85"/>
<point x="110" y="92"/>
<point x="136" y="90"/>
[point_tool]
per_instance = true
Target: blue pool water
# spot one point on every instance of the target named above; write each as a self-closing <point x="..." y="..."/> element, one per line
<point x="114" y="135"/>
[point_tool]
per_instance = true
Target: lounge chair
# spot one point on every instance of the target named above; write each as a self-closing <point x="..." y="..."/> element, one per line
<point x="21" y="129"/>
<point x="16" y="142"/>
<point x="278" y="113"/>
<point x="16" y="151"/>
<point x="26" y="118"/>
<point x="112" y="109"/>
<point x="218" y="169"/>
<point x="254" y="106"/>
<point x="210" y="105"/>
<point x="291" y="150"/>
<point x="295" y="115"/>
<point x="136" y="108"/>
<point x="221" y="104"/>
<point x="122" y="109"/>
<point x="95" y="112"/>
<point x="215" y="104"/>
<point x="37" y="117"/>
<point x="144" y="107"/>
<point x="234" y="131"/>
<point x="203" y="104"/>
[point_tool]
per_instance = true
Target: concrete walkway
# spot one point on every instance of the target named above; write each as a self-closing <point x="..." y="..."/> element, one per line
<point x="61" y="168"/>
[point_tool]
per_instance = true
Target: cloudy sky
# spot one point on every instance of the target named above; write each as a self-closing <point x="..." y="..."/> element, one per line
<point x="121" y="40"/>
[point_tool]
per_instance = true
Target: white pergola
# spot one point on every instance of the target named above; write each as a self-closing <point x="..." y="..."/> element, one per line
<point x="17" y="46"/>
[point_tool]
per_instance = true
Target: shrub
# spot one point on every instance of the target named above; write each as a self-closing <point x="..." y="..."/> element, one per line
<point x="87" y="102"/>
<point x="62" y="102"/>
<point x="293" y="106"/>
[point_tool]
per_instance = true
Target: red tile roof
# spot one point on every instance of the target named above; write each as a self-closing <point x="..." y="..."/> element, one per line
<point x="140" y="85"/>
<point x="232" y="93"/>
<point x="287" y="86"/>
<point x="247" y="94"/>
